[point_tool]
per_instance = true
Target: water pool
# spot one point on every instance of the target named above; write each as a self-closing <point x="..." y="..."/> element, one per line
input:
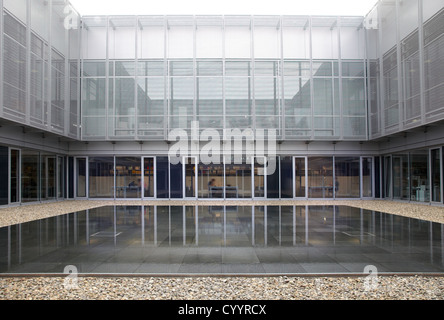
<point x="222" y="240"/>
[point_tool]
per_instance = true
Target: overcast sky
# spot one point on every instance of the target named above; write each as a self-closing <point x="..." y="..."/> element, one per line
<point x="225" y="7"/>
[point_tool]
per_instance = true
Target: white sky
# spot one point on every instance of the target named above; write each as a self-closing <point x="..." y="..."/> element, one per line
<point x="225" y="7"/>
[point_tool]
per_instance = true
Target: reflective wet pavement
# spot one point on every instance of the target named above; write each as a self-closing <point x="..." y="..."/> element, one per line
<point x="223" y="240"/>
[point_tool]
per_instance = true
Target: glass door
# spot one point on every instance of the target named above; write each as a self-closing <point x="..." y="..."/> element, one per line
<point x="300" y="177"/>
<point x="149" y="182"/>
<point x="367" y="181"/>
<point x="15" y="176"/>
<point x="259" y="177"/>
<point x="190" y="169"/>
<point x="435" y="174"/>
<point x="60" y="177"/>
<point x="81" y="177"/>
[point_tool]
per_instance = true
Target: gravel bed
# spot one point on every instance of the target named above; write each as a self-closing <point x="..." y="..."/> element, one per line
<point x="223" y="288"/>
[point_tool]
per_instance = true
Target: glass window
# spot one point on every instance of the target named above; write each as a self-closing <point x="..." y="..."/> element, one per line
<point x="300" y="174"/>
<point x="297" y="68"/>
<point x="401" y="187"/>
<point x="238" y="179"/>
<point x="273" y="182"/>
<point x="347" y="177"/>
<point x="320" y="177"/>
<point x="176" y="182"/>
<point x="323" y="96"/>
<point x="94" y="68"/>
<point x="101" y="177"/>
<point x="15" y="175"/>
<point x="436" y="175"/>
<point x="48" y="176"/>
<point x="30" y="175"/>
<point x="128" y="177"/>
<point x="209" y="68"/>
<point x="211" y="180"/>
<point x="4" y="159"/>
<point x="286" y="177"/>
<point x="353" y="68"/>
<point x="148" y="177"/>
<point x="150" y="68"/>
<point x="419" y="170"/>
<point x="367" y="176"/>
<point x="162" y="177"/>
<point x="237" y="68"/>
<point x="125" y="68"/>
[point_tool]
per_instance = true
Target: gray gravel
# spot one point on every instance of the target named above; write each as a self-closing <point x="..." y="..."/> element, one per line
<point x="223" y="288"/>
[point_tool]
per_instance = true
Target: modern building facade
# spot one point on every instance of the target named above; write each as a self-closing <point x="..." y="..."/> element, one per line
<point x="89" y="104"/>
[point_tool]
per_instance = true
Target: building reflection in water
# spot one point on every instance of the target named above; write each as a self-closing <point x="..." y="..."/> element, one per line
<point x="292" y="239"/>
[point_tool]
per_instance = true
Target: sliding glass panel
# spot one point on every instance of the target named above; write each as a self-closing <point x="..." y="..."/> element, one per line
<point x="419" y="164"/>
<point x="387" y="177"/>
<point x="15" y="176"/>
<point x="436" y="174"/>
<point x="81" y="177"/>
<point x="367" y="177"/>
<point x="176" y="182"/>
<point x="347" y="177"/>
<point x="211" y="180"/>
<point x="273" y="181"/>
<point x="4" y="155"/>
<point x="162" y="177"/>
<point x="128" y="177"/>
<point x="61" y="186"/>
<point x="401" y="187"/>
<point x="238" y="179"/>
<point x="300" y="177"/>
<point x="190" y="177"/>
<point x="259" y="177"/>
<point x="148" y="178"/>
<point x="30" y="175"/>
<point x="286" y="177"/>
<point x="101" y="177"/>
<point x="48" y="177"/>
<point x="320" y="177"/>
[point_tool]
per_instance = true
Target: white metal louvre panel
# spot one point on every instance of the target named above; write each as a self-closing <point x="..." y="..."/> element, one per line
<point x="14" y="67"/>
<point x="434" y="66"/>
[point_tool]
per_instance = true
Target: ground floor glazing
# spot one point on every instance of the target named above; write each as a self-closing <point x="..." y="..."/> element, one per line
<point x="31" y="175"/>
